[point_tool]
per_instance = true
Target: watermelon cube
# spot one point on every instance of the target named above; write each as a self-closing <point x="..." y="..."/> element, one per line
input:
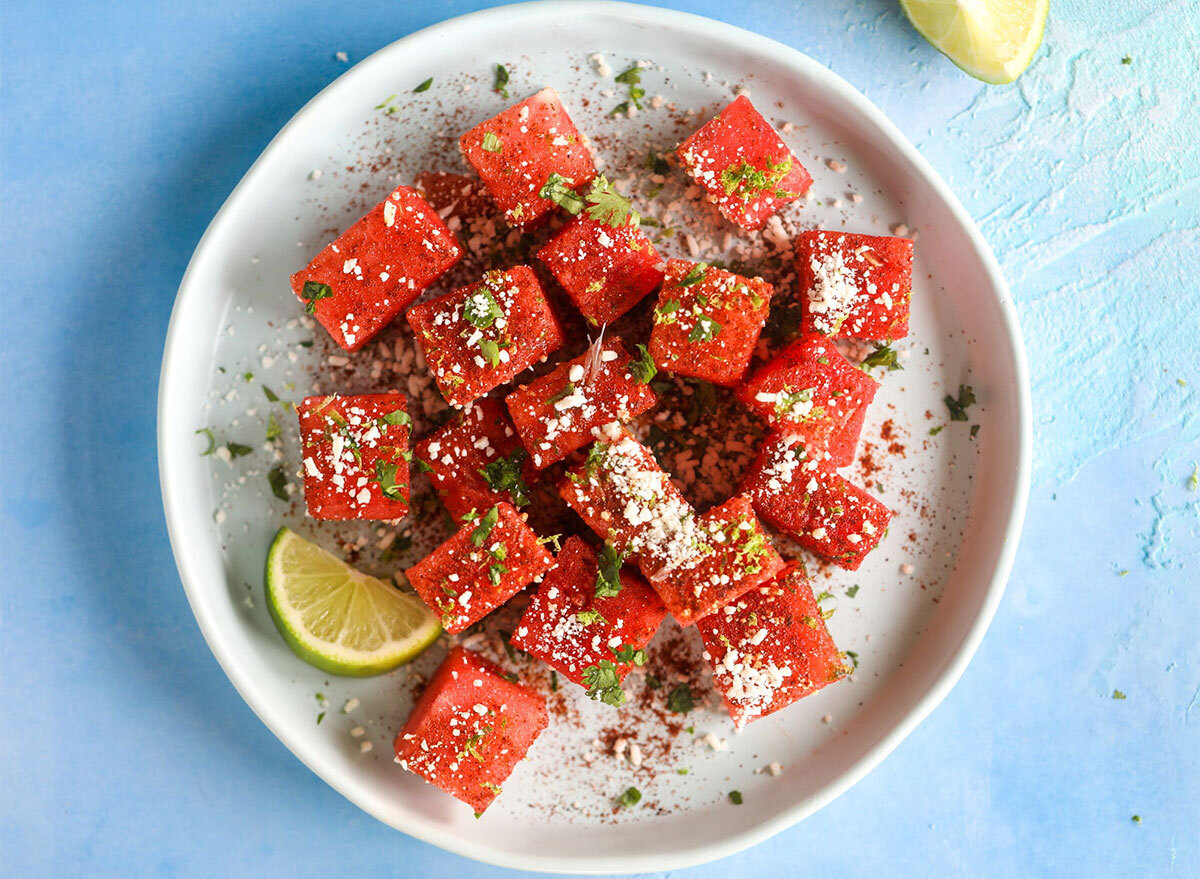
<point x="707" y="322"/>
<point x="854" y="286"/>
<point x="489" y="560"/>
<point x="470" y="728"/>
<point x="801" y="494"/>
<point x="770" y="647"/>
<point x="556" y="414"/>
<point x="360" y="282"/>
<point x="476" y="460"/>
<point x="578" y="619"/>
<point x="605" y="270"/>
<point x="355" y="453"/>
<point x="516" y="151"/>
<point x="631" y="503"/>
<point x="735" y="556"/>
<point x="480" y="336"/>
<point x="743" y="166"/>
<point x="810" y="389"/>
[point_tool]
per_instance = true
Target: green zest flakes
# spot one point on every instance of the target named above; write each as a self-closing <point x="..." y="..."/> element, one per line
<point x="588" y="617"/>
<point x="603" y="684"/>
<point x="481" y="309"/>
<point x="212" y="441"/>
<point x="608" y="576"/>
<point x="313" y="292"/>
<point x="680" y="700"/>
<point x="642" y="368"/>
<point x="423" y="87"/>
<point x="747" y="182"/>
<point x="500" y="83"/>
<point x="630" y="798"/>
<point x="491" y="142"/>
<point x="958" y="407"/>
<point x="278" y="482"/>
<point x="665" y="313"/>
<point x="484" y="529"/>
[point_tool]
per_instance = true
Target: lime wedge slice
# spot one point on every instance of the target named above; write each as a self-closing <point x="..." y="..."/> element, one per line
<point x="339" y="619"/>
<point x="993" y="40"/>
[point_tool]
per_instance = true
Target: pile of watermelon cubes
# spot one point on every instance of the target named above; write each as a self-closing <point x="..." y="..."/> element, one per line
<point x="597" y="603"/>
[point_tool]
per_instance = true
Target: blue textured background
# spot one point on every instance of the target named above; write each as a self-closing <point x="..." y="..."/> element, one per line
<point x="125" y="751"/>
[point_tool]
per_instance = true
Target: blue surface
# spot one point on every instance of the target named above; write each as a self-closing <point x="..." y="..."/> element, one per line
<point x="126" y="752"/>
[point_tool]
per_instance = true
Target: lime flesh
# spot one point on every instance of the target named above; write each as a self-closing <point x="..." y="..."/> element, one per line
<point x="993" y="40"/>
<point x="339" y="619"/>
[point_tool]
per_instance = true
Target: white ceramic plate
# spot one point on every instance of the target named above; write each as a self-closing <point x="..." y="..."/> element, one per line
<point x="962" y="499"/>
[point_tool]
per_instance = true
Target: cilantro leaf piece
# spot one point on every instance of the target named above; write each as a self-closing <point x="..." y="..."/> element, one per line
<point x="495" y="572"/>
<point x="423" y="87"/>
<point x="608" y="576"/>
<point x="630" y="798"/>
<point x="481" y="309"/>
<point x="278" y="482"/>
<point x="657" y="164"/>
<point x="958" y="407"/>
<point x="606" y="205"/>
<point x="313" y="292"/>
<point x="934" y="431"/>
<point x="852" y="591"/>
<point x="735" y="797"/>
<point x="273" y="429"/>
<point x="500" y="83"/>
<point x="853" y="657"/>
<point x="557" y="189"/>
<point x="745" y="181"/>
<point x="271" y="397"/>
<point x="883" y="355"/>
<point x="680" y="700"/>
<point x="665" y="313"/>
<point x="567" y="390"/>
<point x="399" y="416"/>
<point x="491" y="142"/>
<point x="385" y="475"/>
<point x="974" y="431"/>
<point x="1117" y="694"/>
<point x="505" y="474"/>
<point x="212" y="441"/>
<point x="705" y="330"/>
<point x="632" y="76"/>
<point x="484" y="529"/>
<point x="695" y="276"/>
<point x="642" y="368"/>
<point x="553" y="681"/>
<point x="237" y="450"/>
<point x="603" y="684"/>
<point x="490" y="351"/>
<point x="629" y="653"/>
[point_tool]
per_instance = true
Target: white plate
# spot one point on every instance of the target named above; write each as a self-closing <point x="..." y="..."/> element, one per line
<point x="914" y="633"/>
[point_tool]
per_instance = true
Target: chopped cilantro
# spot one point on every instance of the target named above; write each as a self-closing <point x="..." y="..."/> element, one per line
<point x="629" y="653"/>
<point x="271" y="397"/>
<point x="630" y="798"/>
<point x="399" y="416"/>
<point x="273" y="429"/>
<point x="481" y="309"/>
<point x="747" y="182"/>
<point x="313" y="292"/>
<point x="934" y="431"/>
<point x="653" y="682"/>
<point x="680" y="700"/>
<point x="608" y="574"/>
<point x="695" y="276"/>
<point x="492" y="143"/>
<point x="490" y="350"/>
<point x="504" y="474"/>
<point x="642" y="368"/>
<point x="278" y="482"/>
<point x="664" y="314"/>
<point x="496" y="572"/>
<point x="385" y="475"/>
<point x="248" y="377"/>
<point x="484" y="529"/>
<point x="735" y="797"/>
<point x="883" y="355"/>
<point x="657" y="164"/>
<point x="212" y="441"/>
<point x="852" y="591"/>
<point x="632" y="78"/>
<point x="1193" y="482"/>
<point x="974" y="431"/>
<point x="553" y="681"/>
<point x="681" y="771"/>
<point x="606" y="205"/>
<point x="1117" y="694"/>
<point x="557" y="189"/>
<point x="603" y="684"/>
<point x="705" y="330"/>
<point x="958" y="407"/>
<point x="237" y="450"/>
<point x="567" y="390"/>
<point x="423" y="87"/>
<point x="500" y="83"/>
<point x="1128" y="60"/>
<point x="320" y="717"/>
<point x="1136" y="819"/>
<point x="853" y="657"/>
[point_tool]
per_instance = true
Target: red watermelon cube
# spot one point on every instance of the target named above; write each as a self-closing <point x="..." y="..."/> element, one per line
<point x="811" y="390"/>
<point x="854" y="286"/>
<point x="470" y="728"/>
<point x="355" y="453"/>
<point x="489" y="560"/>
<point x="557" y="413"/>
<point x="605" y="270"/>
<point x="516" y="151"/>
<point x="476" y="460"/>
<point x="480" y="336"/>
<point x="578" y="619"/>
<point x="804" y="496"/>
<point x="735" y="556"/>
<point x="707" y="322"/>
<point x="770" y="647"/>
<point x="631" y="503"/>
<point x="743" y="166"/>
<point x="360" y="282"/>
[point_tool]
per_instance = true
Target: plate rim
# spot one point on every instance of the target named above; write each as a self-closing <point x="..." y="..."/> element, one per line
<point x="775" y="53"/>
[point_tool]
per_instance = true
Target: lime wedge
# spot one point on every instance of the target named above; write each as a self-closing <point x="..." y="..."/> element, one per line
<point x="339" y="619"/>
<point x="993" y="40"/>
